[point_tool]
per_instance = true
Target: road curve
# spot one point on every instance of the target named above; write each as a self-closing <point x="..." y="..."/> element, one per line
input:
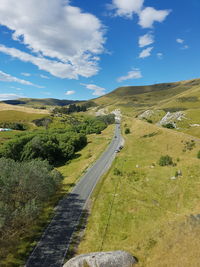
<point x="54" y="243"/>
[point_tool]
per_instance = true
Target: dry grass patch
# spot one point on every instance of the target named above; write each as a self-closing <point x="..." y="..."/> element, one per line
<point x="4" y="107"/>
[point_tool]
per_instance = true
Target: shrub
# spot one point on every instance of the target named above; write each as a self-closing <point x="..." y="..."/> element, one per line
<point x="24" y="187"/>
<point x="165" y="160"/>
<point x="127" y="131"/>
<point x="169" y="126"/>
<point x="198" y="155"/>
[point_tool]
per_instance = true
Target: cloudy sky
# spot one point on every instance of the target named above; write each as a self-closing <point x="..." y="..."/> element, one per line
<point x="83" y="49"/>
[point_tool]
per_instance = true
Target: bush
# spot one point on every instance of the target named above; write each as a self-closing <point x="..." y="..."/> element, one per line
<point x="127" y="131"/>
<point x="24" y="187"/>
<point x="169" y="126"/>
<point x="198" y="155"/>
<point x="14" y="126"/>
<point x="52" y="146"/>
<point x="165" y="160"/>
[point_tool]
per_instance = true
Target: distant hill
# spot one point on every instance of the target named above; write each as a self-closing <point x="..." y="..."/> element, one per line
<point x="35" y="102"/>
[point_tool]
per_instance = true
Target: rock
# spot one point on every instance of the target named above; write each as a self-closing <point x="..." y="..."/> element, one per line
<point x="172" y="118"/>
<point x="179" y="173"/>
<point x="103" y="259"/>
<point x="173" y="178"/>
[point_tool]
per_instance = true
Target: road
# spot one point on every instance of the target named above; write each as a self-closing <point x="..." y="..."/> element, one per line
<point x="54" y="243"/>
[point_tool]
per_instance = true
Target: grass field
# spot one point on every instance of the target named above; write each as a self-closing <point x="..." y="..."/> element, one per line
<point x="142" y="207"/>
<point x="4" y="107"/>
<point x="18" y="116"/>
<point x="20" y="245"/>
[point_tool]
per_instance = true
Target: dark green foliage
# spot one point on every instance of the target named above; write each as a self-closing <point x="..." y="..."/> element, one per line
<point x="198" y="154"/>
<point x="92" y="125"/>
<point x="149" y="121"/>
<point x="46" y="145"/>
<point x="54" y="145"/>
<point x="42" y="122"/>
<point x="43" y="147"/>
<point x="108" y="119"/>
<point x="127" y="131"/>
<point x="24" y="186"/>
<point x="169" y="126"/>
<point x="150" y="135"/>
<point x="189" y="145"/>
<point x="14" y="148"/>
<point x="117" y="172"/>
<point x="70" y="109"/>
<point x="13" y="125"/>
<point x="165" y="160"/>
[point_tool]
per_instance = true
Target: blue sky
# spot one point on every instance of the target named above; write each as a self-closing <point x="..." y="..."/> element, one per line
<point x="83" y="49"/>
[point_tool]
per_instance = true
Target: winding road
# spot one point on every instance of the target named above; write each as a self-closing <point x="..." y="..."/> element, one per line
<point x="53" y="245"/>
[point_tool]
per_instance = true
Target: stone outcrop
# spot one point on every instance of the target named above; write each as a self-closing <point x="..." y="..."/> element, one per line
<point x="103" y="259"/>
<point x="172" y="118"/>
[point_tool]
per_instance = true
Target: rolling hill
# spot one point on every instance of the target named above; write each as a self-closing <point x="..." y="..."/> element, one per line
<point x="157" y="95"/>
<point x="180" y="101"/>
<point x="37" y="102"/>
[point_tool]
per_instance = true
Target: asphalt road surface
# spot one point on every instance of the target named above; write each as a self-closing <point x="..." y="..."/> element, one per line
<point x="53" y="245"/>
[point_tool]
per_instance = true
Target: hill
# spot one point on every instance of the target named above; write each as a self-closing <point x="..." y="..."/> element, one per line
<point x="37" y="102"/>
<point x="178" y="103"/>
<point x="140" y="97"/>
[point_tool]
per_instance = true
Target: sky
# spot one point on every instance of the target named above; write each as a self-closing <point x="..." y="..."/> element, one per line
<point x="84" y="49"/>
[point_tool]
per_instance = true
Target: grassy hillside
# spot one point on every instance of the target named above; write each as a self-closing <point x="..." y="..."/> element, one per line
<point x="159" y="99"/>
<point x="148" y="209"/>
<point x="36" y="102"/>
<point x="141" y="97"/>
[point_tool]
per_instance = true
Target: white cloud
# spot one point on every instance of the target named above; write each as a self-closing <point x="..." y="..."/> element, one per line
<point x="179" y="40"/>
<point x="56" y="30"/>
<point x="4" y="77"/>
<point x="16" y="88"/>
<point x="44" y="76"/>
<point x="26" y="74"/>
<point x="133" y="74"/>
<point x="160" y="55"/>
<point x="98" y="91"/>
<point x="56" y="68"/>
<point x="9" y="97"/>
<point x="70" y="92"/>
<point x="149" y="15"/>
<point x="146" y="39"/>
<point x="185" y="47"/>
<point x="146" y="52"/>
<point x="126" y="8"/>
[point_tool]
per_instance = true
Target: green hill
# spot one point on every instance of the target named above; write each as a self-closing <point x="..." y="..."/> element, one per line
<point x="153" y="102"/>
<point x="140" y="97"/>
<point x="35" y="102"/>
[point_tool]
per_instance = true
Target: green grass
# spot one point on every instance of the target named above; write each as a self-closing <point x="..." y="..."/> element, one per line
<point x="18" y="116"/>
<point x="145" y="210"/>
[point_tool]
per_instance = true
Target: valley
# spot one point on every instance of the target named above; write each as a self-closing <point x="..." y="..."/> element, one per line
<point x="147" y="202"/>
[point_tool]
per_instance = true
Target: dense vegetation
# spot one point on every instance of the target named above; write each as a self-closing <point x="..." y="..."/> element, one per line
<point x="13" y="125"/>
<point x="54" y="145"/>
<point x="70" y="109"/>
<point x="24" y="186"/>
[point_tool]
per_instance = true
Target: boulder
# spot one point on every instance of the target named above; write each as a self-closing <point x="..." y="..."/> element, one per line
<point x="103" y="259"/>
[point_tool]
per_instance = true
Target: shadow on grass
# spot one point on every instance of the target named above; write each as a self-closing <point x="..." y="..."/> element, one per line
<point x="77" y="236"/>
<point x="66" y="162"/>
